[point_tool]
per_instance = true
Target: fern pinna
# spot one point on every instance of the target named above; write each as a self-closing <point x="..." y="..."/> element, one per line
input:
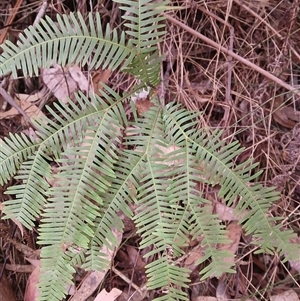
<point x="162" y="158"/>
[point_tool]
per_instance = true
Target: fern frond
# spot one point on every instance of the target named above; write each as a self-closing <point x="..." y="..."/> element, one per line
<point x="215" y="159"/>
<point x="162" y="273"/>
<point x="73" y="120"/>
<point x="144" y="23"/>
<point x="13" y="152"/>
<point x="185" y="172"/>
<point x="146" y="68"/>
<point x="115" y="200"/>
<point x="74" y="205"/>
<point x="69" y="41"/>
<point x="30" y="194"/>
<point x="57" y="272"/>
<point x="54" y="139"/>
<point x="156" y="216"/>
<point x="96" y="181"/>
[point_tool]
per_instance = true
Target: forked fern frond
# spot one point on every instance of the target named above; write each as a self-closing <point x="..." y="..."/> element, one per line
<point x="214" y="157"/>
<point x="71" y="40"/>
<point x="68" y="41"/>
<point x="144" y="23"/>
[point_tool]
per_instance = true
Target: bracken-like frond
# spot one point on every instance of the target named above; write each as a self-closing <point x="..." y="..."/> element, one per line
<point x="115" y="200"/>
<point x="54" y="139"/>
<point x="76" y="40"/>
<point x="156" y="216"/>
<point x="13" y="152"/>
<point x="30" y="193"/>
<point x="71" y="40"/>
<point x="144" y="22"/>
<point x="214" y="158"/>
<point x="56" y="274"/>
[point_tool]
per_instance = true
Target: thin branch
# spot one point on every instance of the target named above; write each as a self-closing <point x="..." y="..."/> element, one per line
<point x="234" y="55"/>
<point x="10" y="100"/>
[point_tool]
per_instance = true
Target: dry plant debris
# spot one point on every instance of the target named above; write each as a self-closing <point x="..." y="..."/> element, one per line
<point x="232" y="82"/>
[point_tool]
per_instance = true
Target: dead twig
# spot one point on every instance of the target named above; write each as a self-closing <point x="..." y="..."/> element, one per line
<point x="10" y="20"/>
<point x="234" y="55"/>
<point x="10" y="100"/>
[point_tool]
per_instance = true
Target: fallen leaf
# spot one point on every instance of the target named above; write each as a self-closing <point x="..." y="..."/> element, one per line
<point x="226" y="213"/>
<point x="135" y="257"/>
<point x="285" y="115"/>
<point x="30" y="109"/>
<point x="63" y="82"/>
<point x="31" y="292"/>
<point x="194" y="256"/>
<point x="30" y="98"/>
<point x="79" y="78"/>
<point x="111" y="296"/>
<point x="142" y="106"/>
<point x="34" y="262"/>
<point x="202" y="298"/>
<point x="234" y="232"/>
<point x="99" y="78"/>
<point x="289" y="295"/>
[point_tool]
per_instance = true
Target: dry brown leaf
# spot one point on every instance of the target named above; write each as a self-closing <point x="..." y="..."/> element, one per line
<point x="59" y="82"/>
<point x="296" y="264"/>
<point x="227" y="213"/>
<point x="111" y="296"/>
<point x="234" y="232"/>
<point x="63" y="82"/>
<point x="79" y="78"/>
<point x="142" y="106"/>
<point x="285" y="115"/>
<point x="31" y="292"/>
<point x="30" y="109"/>
<point x="289" y="295"/>
<point x="135" y="257"/>
<point x="202" y="298"/>
<point x="99" y="78"/>
<point x="30" y="98"/>
<point x="196" y="254"/>
<point x="132" y="295"/>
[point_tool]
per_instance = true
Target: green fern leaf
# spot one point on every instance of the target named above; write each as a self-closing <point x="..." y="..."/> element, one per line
<point x="13" y="152"/>
<point x="71" y="41"/>
<point x="144" y="23"/>
<point x="56" y="272"/>
<point x="215" y="157"/>
<point x="30" y="194"/>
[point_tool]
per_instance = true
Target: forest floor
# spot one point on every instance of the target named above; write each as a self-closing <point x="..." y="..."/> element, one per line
<point x="233" y="94"/>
